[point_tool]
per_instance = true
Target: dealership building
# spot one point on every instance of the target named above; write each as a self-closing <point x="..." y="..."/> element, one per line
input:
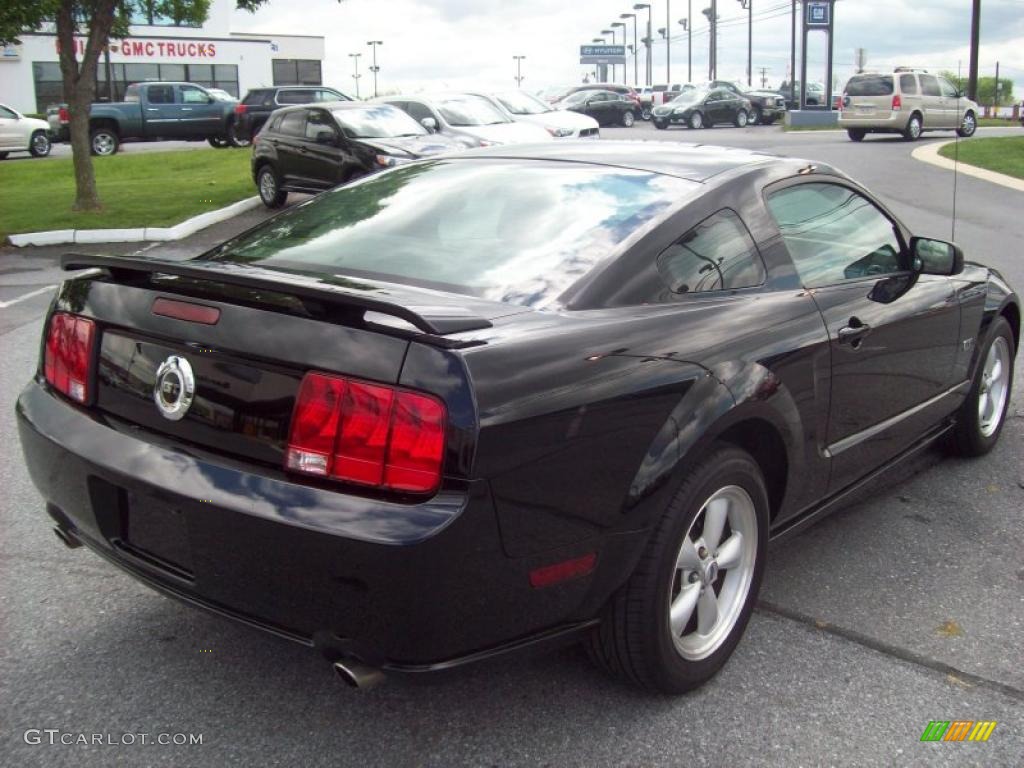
<point x="158" y="49"/>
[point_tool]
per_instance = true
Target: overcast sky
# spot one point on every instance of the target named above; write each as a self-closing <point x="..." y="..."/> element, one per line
<point x="458" y="43"/>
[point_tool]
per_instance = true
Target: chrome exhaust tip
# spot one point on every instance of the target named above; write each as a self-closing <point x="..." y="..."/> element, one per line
<point x="356" y="674"/>
<point x="67" y="537"/>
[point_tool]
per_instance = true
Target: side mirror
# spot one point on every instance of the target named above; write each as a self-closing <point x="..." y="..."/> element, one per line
<point x="326" y="137"/>
<point x="936" y="257"/>
<point x="429" y="123"/>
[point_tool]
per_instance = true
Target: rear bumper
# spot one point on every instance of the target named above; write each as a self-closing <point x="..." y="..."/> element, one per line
<point x="402" y="586"/>
<point x="895" y="121"/>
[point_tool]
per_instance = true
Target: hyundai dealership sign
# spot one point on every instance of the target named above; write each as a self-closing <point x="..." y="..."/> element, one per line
<point x="602" y="54"/>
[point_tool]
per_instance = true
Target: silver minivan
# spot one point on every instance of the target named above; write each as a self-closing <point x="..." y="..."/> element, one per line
<point x="908" y="102"/>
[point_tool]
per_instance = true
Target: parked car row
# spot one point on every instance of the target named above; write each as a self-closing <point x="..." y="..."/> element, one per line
<point x="765" y="106"/>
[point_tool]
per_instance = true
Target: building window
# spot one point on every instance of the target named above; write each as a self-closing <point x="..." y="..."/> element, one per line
<point x="297" y="72"/>
<point x="50" y="85"/>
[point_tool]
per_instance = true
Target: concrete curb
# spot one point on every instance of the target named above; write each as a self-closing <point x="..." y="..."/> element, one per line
<point x="929" y="153"/>
<point x="139" y="234"/>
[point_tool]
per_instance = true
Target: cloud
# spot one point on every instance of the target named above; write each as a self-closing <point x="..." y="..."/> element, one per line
<point x="463" y="43"/>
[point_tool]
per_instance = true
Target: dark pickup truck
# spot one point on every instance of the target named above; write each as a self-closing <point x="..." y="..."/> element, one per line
<point x="152" y="111"/>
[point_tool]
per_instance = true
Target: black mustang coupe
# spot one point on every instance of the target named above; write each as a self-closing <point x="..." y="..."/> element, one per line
<point x="428" y="417"/>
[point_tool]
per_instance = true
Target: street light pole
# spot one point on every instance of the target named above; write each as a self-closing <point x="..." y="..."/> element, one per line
<point x="668" y="42"/>
<point x="519" y="70"/>
<point x="636" y="65"/>
<point x="648" y="73"/>
<point x="356" y="76"/>
<point x="375" y="69"/>
<point x="688" y="28"/>
<point x="612" y="33"/>
<point x="622" y="24"/>
<point x="748" y="6"/>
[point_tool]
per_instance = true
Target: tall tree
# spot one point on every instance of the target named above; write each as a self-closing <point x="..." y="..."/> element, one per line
<point x="98" y="21"/>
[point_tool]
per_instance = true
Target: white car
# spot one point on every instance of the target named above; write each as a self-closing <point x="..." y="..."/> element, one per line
<point x="22" y="134"/>
<point x="469" y="119"/>
<point x="561" y="124"/>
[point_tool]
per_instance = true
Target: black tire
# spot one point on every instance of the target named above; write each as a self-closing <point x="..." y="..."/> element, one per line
<point x="269" y="186"/>
<point x="856" y="134"/>
<point x="104" y="142"/>
<point x="628" y="118"/>
<point x="756" y="116"/>
<point x="236" y="138"/>
<point x="967" y="437"/>
<point x="661" y="125"/>
<point x="219" y="142"/>
<point x="741" y="120"/>
<point x="39" y="145"/>
<point x="968" y="126"/>
<point x="645" y="113"/>
<point x="3" y="155"/>
<point x="634" y="640"/>
<point x="696" y="121"/>
<point x="914" y="128"/>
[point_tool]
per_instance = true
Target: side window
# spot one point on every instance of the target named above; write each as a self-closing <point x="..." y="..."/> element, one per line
<point x="908" y="85"/>
<point x="930" y="85"/>
<point x="7" y="114"/>
<point x="296" y="96"/>
<point x="418" y="111"/>
<point x="716" y="255"/>
<point x="947" y="88"/>
<point x="192" y="95"/>
<point x="326" y="95"/>
<point x="160" y="94"/>
<point x="318" y="121"/>
<point x="835" y="234"/>
<point x="293" y="123"/>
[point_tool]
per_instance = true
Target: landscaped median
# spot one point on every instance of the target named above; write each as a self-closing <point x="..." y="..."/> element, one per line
<point x="142" y="189"/>
<point x="1004" y="154"/>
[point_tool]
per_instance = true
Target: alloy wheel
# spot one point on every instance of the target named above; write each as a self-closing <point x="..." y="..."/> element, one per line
<point x="713" y="574"/>
<point x="103" y="144"/>
<point x="741" y="118"/>
<point x="697" y="121"/>
<point x="268" y="186"/>
<point x="968" y="125"/>
<point x="995" y="384"/>
<point x="40" y="145"/>
<point x="627" y="119"/>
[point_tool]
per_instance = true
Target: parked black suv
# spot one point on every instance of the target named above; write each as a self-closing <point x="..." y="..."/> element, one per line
<point x="255" y="108"/>
<point x="313" y="148"/>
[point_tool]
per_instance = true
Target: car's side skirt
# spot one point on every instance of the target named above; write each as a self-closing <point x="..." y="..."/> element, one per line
<point x="815" y="513"/>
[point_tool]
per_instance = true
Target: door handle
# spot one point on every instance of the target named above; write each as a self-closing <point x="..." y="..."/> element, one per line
<point x="303" y="150"/>
<point x="186" y="109"/>
<point x="854" y="332"/>
<point x="152" y="109"/>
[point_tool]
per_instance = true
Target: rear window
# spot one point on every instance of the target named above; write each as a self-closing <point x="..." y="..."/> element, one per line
<point x="296" y="97"/>
<point x="490" y="228"/>
<point x="870" y="85"/>
<point x="253" y="98"/>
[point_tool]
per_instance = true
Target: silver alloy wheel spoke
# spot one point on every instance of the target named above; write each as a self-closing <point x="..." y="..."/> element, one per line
<point x="688" y="559"/>
<point x="682" y="607"/>
<point x="714" y="522"/>
<point x="729" y="552"/>
<point x="707" y="611"/>
<point x="994" y="387"/>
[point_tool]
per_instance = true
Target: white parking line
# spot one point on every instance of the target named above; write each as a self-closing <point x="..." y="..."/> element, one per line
<point x="29" y="295"/>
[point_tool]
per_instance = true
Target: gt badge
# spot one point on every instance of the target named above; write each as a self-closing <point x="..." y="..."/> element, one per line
<point x="174" y="388"/>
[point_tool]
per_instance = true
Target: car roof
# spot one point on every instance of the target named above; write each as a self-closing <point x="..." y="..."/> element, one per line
<point x="331" y="105"/>
<point x="693" y="162"/>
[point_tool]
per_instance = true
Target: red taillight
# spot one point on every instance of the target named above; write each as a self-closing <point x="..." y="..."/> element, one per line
<point x="68" y="356"/>
<point x="240" y="109"/>
<point x="368" y="434"/>
<point x="186" y="310"/>
<point x="897" y="103"/>
<point x="62" y="115"/>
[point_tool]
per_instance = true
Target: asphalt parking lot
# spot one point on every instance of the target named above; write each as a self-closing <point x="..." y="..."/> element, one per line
<point x="905" y="607"/>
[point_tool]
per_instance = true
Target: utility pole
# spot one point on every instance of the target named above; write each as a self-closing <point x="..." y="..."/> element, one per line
<point x="712" y="14"/>
<point x="972" y="76"/>
<point x="519" y="70"/>
<point x="356" y="76"/>
<point x="374" y="68"/>
<point x="764" y="76"/>
<point x="995" y="92"/>
<point x="687" y="25"/>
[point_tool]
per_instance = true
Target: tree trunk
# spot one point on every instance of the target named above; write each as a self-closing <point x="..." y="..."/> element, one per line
<point x="80" y="91"/>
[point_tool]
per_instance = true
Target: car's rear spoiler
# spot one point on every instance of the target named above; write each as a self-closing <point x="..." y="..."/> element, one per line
<point x="431" y="312"/>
